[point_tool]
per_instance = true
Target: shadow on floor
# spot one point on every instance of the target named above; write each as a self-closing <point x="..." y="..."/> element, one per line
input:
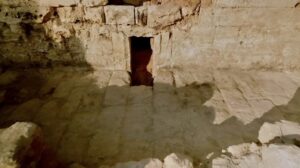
<point x="87" y="121"/>
<point x="26" y="42"/>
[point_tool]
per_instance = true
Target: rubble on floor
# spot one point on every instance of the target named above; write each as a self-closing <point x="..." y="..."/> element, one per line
<point x="22" y="145"/>
<point x="283" y="130"/>
<point x="265" y="156"/>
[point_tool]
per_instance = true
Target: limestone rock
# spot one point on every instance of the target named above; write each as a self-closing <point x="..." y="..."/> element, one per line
<point x="242" y="149"/>
<point x="24" y="14"/>
<point x="94" y="2"/>
<point x="158" y="16"/>
<point x="57" y="3"/>
<point x="119" y="15"/>
<point x="146" y="163"/>
<point x="278" y="156"/>
<point x="252" y="161"/>
<point x="222" y="29"/>
<point x="189" y="7"/>
<point x="141" y="15"/>
<point x="256" y="3"/>
<point x="119" y="78"/>
<point x="177" y="161"/>
<point x="18" y="2"/>
<point x="70" y="14"/>
<point x="270" y="131"/>
<point x="95" y="15"/>
<point x="120" y="50"/>
<point x="164" y="77"/>
<point x="15" y="143"/>
<point x="273" y="156"/>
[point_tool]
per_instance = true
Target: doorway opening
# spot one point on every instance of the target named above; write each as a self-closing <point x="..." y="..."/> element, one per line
<point x="141" y="62"/>
<point x="116" y="2"/>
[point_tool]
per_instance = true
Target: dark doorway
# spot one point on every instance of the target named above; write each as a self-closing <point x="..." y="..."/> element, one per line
<point x="116" y="2"/>
<point x="141" y="64"/>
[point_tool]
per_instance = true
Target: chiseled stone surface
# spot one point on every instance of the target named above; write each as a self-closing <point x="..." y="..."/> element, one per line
<point x="90" y="114"/>
<point x="178" y="161"/>
<point x="94" y="2"/>
<point x="57" y="3"/>
<point x="94" y="15"/>
<point x="195" y="111"/>
<point x="70" y="14"/>
<point x="146" y="163"/>
<point x="119" y="15"/>
<point x="280" y="129"/>
<point x="213" y="34"/>
<point x="159" y="16"/>
<point x="256" y="3"/>
<point x="15" y="143"/>
<point x="272" y="156"/>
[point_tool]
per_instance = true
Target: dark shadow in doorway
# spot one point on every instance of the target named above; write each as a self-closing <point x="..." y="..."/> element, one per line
<point x="141" y="64"/>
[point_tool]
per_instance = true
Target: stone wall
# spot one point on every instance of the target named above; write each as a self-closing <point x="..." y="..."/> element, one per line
<point x="256" y="34"/>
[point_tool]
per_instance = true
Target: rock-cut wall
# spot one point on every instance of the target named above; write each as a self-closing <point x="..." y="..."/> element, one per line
<point x="252" y="34"/>
<point x="247" y="34"/>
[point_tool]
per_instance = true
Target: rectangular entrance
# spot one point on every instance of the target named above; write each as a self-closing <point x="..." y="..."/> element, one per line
<point x="141" y="61"/>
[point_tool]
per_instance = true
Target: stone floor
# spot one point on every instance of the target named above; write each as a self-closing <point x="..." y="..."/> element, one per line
<point x="96" y="118"/>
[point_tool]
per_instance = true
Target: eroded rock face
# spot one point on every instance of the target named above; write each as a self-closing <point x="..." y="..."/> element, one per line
<point x="201" y="32"/>
<point x="272" y="156"/>
<point x="171" y="161"/>
<point x="79" y="33"/>
<point x="57" y="3"/>
<point x="247" y="155"/>
<point x="280" y="129"/>
<point x="178" y="161"/>
<point x="16" y="144"/>
<point x="146" y="163"/>
<point x="22" y="145"/>
<point x="119" y="15"/>
<point x="159" y="16"/>
<point x="94" y="2"/>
